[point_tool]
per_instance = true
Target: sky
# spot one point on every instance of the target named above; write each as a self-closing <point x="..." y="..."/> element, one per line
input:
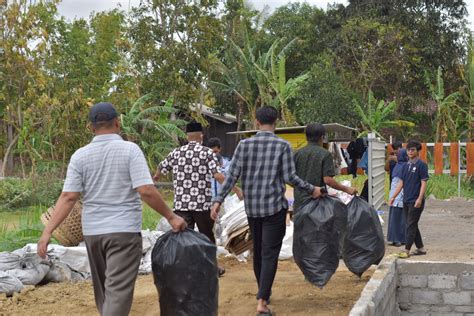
<point x="82" y="8"/>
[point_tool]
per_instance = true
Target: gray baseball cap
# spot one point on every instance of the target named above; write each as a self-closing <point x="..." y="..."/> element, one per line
<point x="102" y="112"/>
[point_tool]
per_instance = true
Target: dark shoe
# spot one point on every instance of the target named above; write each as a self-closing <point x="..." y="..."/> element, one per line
<point x="419" y="252"/>
<point x="220" y="271"/>
<point x="396" y="244"/>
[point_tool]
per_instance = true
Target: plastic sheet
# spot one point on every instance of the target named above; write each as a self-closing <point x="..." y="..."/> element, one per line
<point x="9" y="284"/>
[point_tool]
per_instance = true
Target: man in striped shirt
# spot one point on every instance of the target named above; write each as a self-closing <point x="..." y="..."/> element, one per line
<point x="112" y="175"/>
<point x="264" y="163"/>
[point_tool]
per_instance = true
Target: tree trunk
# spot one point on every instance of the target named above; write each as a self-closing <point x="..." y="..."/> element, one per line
<point x="7" y="155"/>
<point x="10" y="140"/>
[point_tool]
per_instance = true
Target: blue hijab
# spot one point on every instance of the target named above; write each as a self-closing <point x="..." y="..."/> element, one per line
<point x="402" y="159"/>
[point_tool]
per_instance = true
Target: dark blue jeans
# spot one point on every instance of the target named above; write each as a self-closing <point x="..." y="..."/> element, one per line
<point x="267" y="234"/>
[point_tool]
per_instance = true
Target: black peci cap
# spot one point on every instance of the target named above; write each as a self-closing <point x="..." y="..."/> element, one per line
<point x="193" y="127"/>
<point x="102" y="112"/>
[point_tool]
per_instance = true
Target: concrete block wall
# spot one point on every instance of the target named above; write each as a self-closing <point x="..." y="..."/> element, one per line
<point x="379" y="296"/>
<point x="435" y="288"/>
<point x="406" y="287"/>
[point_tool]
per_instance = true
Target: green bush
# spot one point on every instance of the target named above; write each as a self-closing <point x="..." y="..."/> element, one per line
<point x="16" y="192"/>
<point x="46" y="190"/>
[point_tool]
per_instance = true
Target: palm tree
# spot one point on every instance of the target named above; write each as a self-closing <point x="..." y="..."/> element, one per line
<point x="375" y="115"/>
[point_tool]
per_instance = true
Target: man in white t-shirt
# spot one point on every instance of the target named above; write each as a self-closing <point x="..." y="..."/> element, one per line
<point x="112" y="175"/>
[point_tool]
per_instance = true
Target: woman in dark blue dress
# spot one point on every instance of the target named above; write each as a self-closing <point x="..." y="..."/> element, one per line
<point x="396" y="219"/>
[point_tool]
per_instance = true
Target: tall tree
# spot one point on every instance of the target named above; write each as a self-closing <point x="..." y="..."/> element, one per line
<point x="171" y="40"/>
<point x="24" y="34"/>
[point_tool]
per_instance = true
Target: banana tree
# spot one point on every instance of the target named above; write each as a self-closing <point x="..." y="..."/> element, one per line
<point x="151" y="127"/>
<point x="277" y="90"/>
<point x="448" y="112"/>
<point x="375" y="115"/>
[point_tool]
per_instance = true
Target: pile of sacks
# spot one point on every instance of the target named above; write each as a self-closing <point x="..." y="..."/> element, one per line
<point x="233" y="233"/>
<point x="24" y="267"/>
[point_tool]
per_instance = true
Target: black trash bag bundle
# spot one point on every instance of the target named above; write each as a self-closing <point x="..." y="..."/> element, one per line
<point x="184" y="268"/>
<point x="363" y="244"/>
<point x="319" y="226"/>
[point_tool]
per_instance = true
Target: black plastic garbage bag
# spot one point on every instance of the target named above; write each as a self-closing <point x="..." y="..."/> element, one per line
<point x="319" y="225"/>
<point x="184" y="268"/>
<point x="363" y="244"/>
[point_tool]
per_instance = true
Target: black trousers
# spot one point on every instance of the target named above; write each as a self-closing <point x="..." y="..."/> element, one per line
<point x="267" y="233"/>
<point x="203" y="220"/>
<point x="412" y="215"/>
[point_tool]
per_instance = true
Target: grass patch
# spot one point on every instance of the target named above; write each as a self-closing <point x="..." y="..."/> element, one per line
<point x="445" y="186"/>
<point x="23" y="228"/>
<point x="23" y="225"/>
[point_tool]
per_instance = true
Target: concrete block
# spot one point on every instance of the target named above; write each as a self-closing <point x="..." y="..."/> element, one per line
<point x="466" y="281"/>
<point x="457" y="298"/>
<point x="433" y="267"/>
<point x="420" y="296"/>
<point x="442" y="281"/>
<point x="441" y="309"/>
<point x="410" y="280"/>
<point x="359" y="310"/>
<point x="384" y="289"/>
<point x="420" y="308"/>
<point x="464" y="309"/>
<point x="404" y="295"/>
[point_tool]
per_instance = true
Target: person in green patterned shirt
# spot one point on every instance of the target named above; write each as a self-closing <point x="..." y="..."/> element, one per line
<point x="315" y="165"/>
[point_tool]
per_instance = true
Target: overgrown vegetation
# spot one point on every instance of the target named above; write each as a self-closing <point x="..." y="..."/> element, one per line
<point x="312" y="64"/>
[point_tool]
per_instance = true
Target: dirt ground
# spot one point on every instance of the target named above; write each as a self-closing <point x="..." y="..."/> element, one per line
<point x="446" y="226"/>
<point x="447" y="229"/>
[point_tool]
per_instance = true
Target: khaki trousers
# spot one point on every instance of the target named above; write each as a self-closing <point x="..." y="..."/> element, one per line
<point x="114" y="260"/>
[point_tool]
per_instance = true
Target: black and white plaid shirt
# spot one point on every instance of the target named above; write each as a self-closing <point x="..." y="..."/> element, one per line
<point x="264" y="163"/>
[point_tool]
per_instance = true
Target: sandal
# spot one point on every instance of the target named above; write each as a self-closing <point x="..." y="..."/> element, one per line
<point x="267" y="313"/>
<point x="419" y="252"/>
<point x="403" y="255"/>
<point x="220" y="271"/>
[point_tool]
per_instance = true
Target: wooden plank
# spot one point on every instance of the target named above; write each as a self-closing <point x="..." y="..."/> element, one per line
<point x="454" y="158"/>
<point x="424" y="152"/>
<point x="438" y="158"/>
<point x="470" y="158"/>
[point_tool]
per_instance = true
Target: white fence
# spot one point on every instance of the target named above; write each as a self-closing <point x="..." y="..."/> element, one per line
<point x="376" y="172"/>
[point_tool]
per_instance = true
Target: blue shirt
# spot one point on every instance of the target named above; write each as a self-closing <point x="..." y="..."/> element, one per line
<point x="412" y="175"/>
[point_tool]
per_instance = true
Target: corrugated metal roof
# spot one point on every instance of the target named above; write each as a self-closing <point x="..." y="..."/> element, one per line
<point x="207" y="111"/>
<point x="330" y="128"/>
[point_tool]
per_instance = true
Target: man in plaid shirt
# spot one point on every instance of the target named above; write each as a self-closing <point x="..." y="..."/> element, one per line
<point x="264" y="163"/>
